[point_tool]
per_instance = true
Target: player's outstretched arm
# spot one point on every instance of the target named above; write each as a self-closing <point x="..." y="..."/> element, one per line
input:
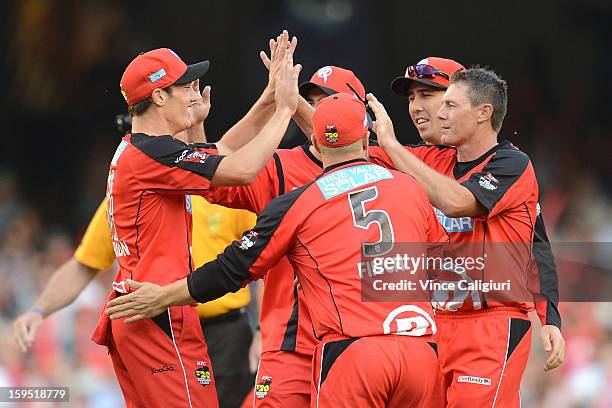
<point x="263" y="109"/>
<point x="304" y="111"/>
<point x="240" y="263"/>
<point x="243" y="166"/>
<point x="446" y="194"/>
<point x="66" y="283"/>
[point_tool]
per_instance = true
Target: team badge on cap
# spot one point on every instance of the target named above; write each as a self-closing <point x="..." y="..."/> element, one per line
<point x="324" y="73"/>
<point x="331" y="134"/>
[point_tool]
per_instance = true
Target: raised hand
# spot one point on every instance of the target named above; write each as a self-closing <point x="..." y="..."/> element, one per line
<point x="200" y="108"/>
<point x="286" y="92"/>
<point x="277" y="52"/>
<point x="383" y="126"/>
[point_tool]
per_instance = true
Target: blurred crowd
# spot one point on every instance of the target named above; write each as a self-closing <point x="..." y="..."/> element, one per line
<point x="565" y="133"/>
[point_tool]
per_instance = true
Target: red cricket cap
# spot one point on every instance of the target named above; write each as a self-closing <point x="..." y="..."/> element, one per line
<point x="333" y="80"/>
<point x="339" y="120"/>
<point x="401" y="84"/>
<point x="154" y="69"/>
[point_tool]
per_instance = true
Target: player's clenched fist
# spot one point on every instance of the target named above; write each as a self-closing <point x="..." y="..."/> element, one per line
<point x="286" y="93"/>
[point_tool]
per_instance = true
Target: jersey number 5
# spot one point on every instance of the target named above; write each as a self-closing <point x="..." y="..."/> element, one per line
<point x="363" y="219"/>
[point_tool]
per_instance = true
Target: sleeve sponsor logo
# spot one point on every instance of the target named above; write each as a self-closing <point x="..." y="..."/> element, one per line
<point x="192" y="156"/>
<point x="350" y="178"/>
<point x="462" y="224"/>
<point x="488" y="181"/>
<point x="248" y="240"/>
<point x="156" y="76"/>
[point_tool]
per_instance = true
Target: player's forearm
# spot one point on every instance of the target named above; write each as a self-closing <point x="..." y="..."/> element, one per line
<point x="212" y="280"/>
<point x="177" y="294"/>
<point x="243" y="166"/>
<point x="303" y="117"/>
<point x="250" y="125"/>
<point x="446" y="194"/>
<point x="64" y="287"/>
<point x="195" y="134"/>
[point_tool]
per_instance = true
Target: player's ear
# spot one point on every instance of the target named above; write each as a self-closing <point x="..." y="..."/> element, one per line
<point x="314" y="143"/>
<point x="159" y="97"/>
<point x="485" y="112"/>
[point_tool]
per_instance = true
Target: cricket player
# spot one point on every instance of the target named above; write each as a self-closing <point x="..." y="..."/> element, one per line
<point x="163" y="361"/>
<point x="484" y="191"/>
<point x="424" y="85"/>
<point x="322" y="228"/>
<point x="285" y="369"/>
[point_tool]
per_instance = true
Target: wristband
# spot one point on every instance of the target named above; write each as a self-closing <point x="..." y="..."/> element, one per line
<point x="38" y="310"/>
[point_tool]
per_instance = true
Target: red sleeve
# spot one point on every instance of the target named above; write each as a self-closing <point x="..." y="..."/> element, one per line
<point x="172" y="165"/>
<point x="253" y="197"/>
<point x="251" y="257"/>
<point x="506" y="181"/>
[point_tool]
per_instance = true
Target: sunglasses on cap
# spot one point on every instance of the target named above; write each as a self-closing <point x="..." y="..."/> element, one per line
<point x="424" y="71"/>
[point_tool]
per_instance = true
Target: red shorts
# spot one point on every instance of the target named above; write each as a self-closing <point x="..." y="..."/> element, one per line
<point x="483" y="355"/>
<point x="163" y="362"/>
<point x="379" y="371"/>
<point x="283" y="380"/>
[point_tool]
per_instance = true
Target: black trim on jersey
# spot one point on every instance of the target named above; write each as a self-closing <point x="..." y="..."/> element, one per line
<point x="331" y="292"/>
<point x="280" y="174"/>
<point x="331" y="352"/>
<point x="518" y="330"/>
<point x="506" y="167"/>
<point x="290" y="337"/>
<point x="306" y="148"/>
<point x="227" y="273"/>
<point x="344" y="163"/>
<point x="463" y="168"/>
<point x="172" y="153"/>
<point x="547" y="272"/>
<point x="163" y="322"/>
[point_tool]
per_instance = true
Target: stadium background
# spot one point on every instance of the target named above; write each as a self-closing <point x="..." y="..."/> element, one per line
<point x="61" y="65"/>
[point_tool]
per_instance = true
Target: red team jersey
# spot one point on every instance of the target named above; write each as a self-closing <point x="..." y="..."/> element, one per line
<point x="503" y="181"/>
<point x="148" y="213"/>
<point x="321" y="228"/>
<point x="149" y="217"/>
<point x="284" y="318"/>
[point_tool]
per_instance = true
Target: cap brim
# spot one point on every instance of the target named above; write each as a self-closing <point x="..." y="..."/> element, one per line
<point x="401" y="84"/>
<point x="306" y="87"/>
<point x="195" y="71"/>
